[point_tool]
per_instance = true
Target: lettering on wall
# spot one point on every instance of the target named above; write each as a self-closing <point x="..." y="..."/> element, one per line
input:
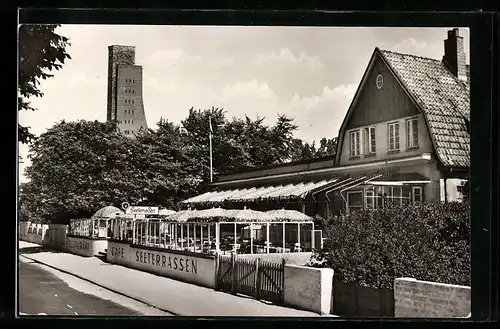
<point x="182" y="264"/>
<point x="117" y="251"/>
<point x="78" y="244"/>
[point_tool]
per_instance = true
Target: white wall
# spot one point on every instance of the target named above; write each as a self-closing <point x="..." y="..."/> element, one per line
<point x="423" y="299"/>
<point x="199" y="270"/>
<point x="308" y="288"/>
<point x="85" y="246"/>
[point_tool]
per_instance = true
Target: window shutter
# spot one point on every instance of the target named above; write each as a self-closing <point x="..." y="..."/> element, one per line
<point x="372" y="140"/>
<point x="396" y="136"/>
<point x="415" y="132"/>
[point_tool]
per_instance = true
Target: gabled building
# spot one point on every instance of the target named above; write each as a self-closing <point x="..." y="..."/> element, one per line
<point x="405" y="138"/>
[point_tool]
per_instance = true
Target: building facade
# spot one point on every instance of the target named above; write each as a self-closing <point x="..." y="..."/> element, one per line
<point x="404" y="139"/>
<point x="125" y="100"/>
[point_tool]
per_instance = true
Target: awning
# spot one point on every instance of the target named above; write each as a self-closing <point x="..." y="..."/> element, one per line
<point x="400" y="179"/>
<point x="270" y="192"/>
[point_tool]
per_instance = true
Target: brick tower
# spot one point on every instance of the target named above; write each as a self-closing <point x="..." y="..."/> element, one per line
<point x="125" y="103"/>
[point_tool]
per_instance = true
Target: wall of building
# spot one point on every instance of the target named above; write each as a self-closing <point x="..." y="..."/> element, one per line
<point x="130" y="106"/>
<point x="116" y="55"/>
<point x="422" y="299"/>
<point x="382" y="142"/>
<point x="374" y="105"/>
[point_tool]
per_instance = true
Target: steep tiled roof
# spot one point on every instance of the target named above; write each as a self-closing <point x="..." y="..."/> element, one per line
<point x="444" y="100"/>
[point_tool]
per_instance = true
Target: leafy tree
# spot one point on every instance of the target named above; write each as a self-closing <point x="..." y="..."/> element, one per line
<point x="79" y="167"/>
<point x="177" y="172"/>
<point x="41" y="51"/>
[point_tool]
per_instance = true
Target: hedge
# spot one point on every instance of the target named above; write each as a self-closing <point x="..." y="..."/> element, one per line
<point x="426" y="241"/>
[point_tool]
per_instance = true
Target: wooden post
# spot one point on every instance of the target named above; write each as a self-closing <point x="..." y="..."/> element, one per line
<point x="251" y="238"/>
<point x="313" y="239"/>
<point x="257" y="278"/>
<point x="234" y="241"/>
<point x="233" y="272"/>
<point x="182" y="236"/>
<point x="217" y="269"/>
<point x="445" y="191"/>
<point x="194" y="237"/>
<point x="282" y="297"/>
<point x="267" y="236"/>
<point x="284" y="244"/>
<point x="170" y="232"/>
<point x="217" y="236"/>
<point x="298" y="235"/>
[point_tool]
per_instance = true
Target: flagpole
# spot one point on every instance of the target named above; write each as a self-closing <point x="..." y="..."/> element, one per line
<point x="210" y="139"/>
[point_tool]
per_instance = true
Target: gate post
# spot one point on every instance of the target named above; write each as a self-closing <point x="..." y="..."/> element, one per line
<point x="282" y="288"/>
<point x="257" y="279"/>
<point x="233" y="273"/>
<point x="217" y="270"/>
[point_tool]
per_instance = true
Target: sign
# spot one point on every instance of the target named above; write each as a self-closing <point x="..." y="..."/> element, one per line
<point x="142" y="210"/>
<point x="125" y="205"/>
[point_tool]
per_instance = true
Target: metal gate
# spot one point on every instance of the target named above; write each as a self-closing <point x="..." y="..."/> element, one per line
<point x="252" y="277"/>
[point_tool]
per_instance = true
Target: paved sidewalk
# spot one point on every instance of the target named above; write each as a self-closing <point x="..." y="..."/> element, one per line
<point x="166" y="294"/>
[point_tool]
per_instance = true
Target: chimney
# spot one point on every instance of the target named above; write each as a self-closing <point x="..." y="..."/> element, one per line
<point x="454" y="54"/>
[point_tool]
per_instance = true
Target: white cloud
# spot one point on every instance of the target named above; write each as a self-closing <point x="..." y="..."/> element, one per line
<point x="170" y="57"/>
<point x="248" y="89"/>
<point x="284" y="55"/>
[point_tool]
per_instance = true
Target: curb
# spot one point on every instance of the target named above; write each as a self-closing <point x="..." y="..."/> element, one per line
<point x="102" y="286"/>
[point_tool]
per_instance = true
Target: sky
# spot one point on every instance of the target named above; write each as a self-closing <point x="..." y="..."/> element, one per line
<point x="307" y="73"/>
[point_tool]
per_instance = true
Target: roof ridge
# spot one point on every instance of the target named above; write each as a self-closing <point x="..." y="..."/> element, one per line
<point x="406" y="54"/>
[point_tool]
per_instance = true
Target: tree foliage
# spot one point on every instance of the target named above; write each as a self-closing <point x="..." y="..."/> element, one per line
<point x="79" y="167"/>
<point x="41" y="51"/>
<point x="426" y="241"/>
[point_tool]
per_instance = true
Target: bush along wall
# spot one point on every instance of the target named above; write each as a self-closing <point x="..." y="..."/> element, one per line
<point x="426" y="241"/>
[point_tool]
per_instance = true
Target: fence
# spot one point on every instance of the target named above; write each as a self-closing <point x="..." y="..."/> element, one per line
<point x="194" y="237"/>
<point x="256" y="278"/>
<point x="350" y="299"/>
<point x="89" y="227"/>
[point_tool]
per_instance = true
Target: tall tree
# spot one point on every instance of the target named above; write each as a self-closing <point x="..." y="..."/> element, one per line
<point x="79" y="167"/>
<point x="41" y="51"/>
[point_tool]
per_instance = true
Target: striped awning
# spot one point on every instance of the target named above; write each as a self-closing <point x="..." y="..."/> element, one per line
<point x="282" y="191"/>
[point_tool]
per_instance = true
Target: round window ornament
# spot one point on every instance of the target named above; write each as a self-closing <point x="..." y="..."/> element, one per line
<point x="380" y="81"/>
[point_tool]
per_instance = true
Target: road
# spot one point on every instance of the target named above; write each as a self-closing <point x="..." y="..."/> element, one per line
<point x="46" y="291"/>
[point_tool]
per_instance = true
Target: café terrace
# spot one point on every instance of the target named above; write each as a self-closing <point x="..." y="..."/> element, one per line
<point x="219" y="231"/>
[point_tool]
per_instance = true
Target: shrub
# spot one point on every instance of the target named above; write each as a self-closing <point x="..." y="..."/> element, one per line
<point x="426" y="241"/>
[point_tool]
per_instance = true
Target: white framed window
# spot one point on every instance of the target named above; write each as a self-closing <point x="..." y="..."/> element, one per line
<point x="393" y="136"/>
<point x="355" y="146"/>
<point x="370" y="199"/>
<point x="412" y="133"/>
<point x="416" y="194"/>
<point x="369" y="145"/>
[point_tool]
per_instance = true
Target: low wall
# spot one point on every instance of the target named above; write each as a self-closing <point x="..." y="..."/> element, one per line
<point x="417" y="299"/>
<point x="85" y="246"/>
<point x="293" y="258"/>
<point x="35" y="233"/>
<point x="56" y="236"/>
<point x="308" y="288"/>
<point x="184" y="266"/>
